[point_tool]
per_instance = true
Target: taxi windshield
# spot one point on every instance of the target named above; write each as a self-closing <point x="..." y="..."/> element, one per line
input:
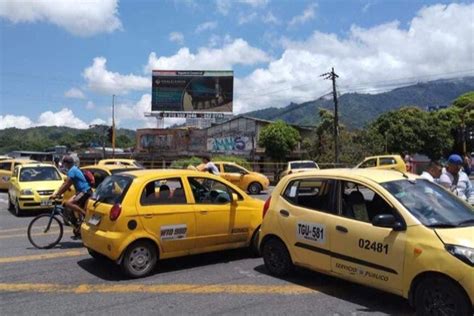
<point x="432" y="205"/>
<point x="30" y="174"/>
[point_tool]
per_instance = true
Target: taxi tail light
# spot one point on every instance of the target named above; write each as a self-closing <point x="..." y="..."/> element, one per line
<point x="266" y="206"/>
<point x="115" y="212"/>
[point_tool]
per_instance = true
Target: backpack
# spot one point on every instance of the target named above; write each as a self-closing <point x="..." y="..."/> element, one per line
<point x="89" y="177"/>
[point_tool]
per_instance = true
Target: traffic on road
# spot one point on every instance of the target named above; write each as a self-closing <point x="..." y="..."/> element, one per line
<point x="192" y="233"/>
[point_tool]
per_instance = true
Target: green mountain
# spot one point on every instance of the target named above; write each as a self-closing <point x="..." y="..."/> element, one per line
<point x="356" y="109"/>
<point x="44" y="137"/>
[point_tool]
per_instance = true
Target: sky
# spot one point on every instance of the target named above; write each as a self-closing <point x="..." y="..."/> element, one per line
<point x="62" y="60"/>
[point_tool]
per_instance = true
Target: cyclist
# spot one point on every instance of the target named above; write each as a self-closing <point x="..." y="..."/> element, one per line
<point x="83" y="190"/>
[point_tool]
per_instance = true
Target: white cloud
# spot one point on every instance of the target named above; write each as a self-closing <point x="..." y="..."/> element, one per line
<point x="64" y="117"/>
<point x="82" y="18"/>
<point x="90" y="105"/>
<point x="224" y="6"/>
<point x="98" y="121"/>
<point x="17" y="121"/>
<point x="176" y="37"/>
<point x="270" y="18"/>
<point x="206" y="26"/>
<point x="236" y="52"/>
<point x="99" y="79"/>
<point x="74" y="93"/>
<point x="246" y="18"/>
<point x="308" y="14"/>
<point x="437" y="42"/>
<point x="134" y="112"/>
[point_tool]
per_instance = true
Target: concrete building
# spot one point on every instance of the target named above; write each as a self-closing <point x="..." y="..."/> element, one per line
<point x="237" y="136"/>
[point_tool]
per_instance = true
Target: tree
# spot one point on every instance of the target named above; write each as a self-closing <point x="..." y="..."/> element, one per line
<point x="278" y="139"/>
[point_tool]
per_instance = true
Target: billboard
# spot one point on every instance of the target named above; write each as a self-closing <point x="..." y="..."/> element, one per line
<point x="192" y="91"/>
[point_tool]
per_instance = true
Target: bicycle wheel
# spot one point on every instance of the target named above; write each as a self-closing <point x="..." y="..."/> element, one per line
<point x="45" y="231"/>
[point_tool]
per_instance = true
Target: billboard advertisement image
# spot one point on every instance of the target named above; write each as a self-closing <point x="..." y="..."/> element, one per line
<point x="192" y="91"/>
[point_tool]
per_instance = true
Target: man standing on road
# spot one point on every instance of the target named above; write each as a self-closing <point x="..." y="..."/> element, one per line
<point x="83" y="190"/>
<point x="209" y="166"/>
<point x="455" y="180"/>
<point x="433" y="172"/>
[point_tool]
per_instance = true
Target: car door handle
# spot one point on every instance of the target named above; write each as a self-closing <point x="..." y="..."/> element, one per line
<point x="284" y="213"/>
<point x="147" y="216"/>
<point x="342" y="229"/>
<point x="203" y="212"/>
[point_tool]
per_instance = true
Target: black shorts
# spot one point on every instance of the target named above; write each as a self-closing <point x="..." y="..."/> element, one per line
<point x="81" y="198"/>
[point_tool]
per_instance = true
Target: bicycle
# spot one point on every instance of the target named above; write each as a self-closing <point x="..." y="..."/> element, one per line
<point x="47" y="227"/>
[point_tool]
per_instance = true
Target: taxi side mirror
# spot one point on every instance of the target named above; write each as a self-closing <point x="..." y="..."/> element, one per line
<point x="388" y="221"/>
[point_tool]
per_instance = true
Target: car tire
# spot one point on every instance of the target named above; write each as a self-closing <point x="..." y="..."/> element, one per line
<point x="276" y="257"/>
<point x="11" y="206"/>
<point x="18" y="211"/>
<point x="139" y="259"/>
<point x="436" y="295"/>
<point x="254" y="188"/>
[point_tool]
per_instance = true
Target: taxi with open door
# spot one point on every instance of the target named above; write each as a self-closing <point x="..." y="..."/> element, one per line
<point x="385" y="229"/>
<point x="139" y="217"/>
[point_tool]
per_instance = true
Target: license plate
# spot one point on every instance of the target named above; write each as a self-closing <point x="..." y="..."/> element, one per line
<point x="46" y="202"/>
<point x="94" y="220"/>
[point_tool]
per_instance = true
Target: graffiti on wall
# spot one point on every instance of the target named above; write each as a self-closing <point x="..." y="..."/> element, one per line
<point x="156" y="141"/>
<point x="229" y="143"/>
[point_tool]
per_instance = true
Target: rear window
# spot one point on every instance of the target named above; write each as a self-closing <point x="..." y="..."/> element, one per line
<point x="303" y="165"/>
<point x="113" y="189"/>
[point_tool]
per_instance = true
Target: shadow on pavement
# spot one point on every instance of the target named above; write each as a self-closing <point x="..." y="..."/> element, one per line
<point x="107" y="270"/>
<point x="371" y="299"/>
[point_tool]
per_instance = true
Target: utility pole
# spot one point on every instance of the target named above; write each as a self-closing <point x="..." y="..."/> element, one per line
<point x="113" y="125"/>
<point x="332" y="76"/>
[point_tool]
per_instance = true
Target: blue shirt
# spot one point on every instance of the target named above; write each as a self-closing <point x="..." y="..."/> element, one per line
<point x="78" y="180"/>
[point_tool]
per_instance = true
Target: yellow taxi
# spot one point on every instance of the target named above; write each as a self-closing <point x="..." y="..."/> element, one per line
<point x="385" y="229"/>
<point x="6" y="169"/>
<point x="31" y="185"/>
<point x="138" y="217"/>
<point x="120" y="161"/>
<point x="385" y="162"/>
<point x="299" y="166"/>
<point x="100" y="172"/>
<point x="252" y="182"/>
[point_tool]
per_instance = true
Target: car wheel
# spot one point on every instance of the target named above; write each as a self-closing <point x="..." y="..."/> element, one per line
<point x="139" y="259"/>
<point x="276" y="257"/>
<point x="18" y="211"/>
<point x="441" y="296"/>
<point x="11" y="207"/>
<point x="254" y="188"/>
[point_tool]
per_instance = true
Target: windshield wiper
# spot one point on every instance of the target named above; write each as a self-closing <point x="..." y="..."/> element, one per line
<point x="441" y="225"/>
<point x="466" y="222"/>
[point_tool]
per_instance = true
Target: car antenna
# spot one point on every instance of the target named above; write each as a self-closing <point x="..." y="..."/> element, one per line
<point x="405" y="175"/>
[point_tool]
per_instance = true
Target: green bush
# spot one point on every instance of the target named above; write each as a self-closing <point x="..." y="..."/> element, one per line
<point x="184" y="163"/>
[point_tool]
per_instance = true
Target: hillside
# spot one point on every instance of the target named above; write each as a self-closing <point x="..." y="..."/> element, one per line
<point x="43" y="137"/>
<point x="356" y="109"/>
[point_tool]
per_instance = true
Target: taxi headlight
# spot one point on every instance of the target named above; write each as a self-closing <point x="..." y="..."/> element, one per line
<point x="465" y="254"/>
<point x="26" y="192"/>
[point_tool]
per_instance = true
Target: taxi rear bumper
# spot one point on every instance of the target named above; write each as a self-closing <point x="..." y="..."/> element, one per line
<point x="104" y="242"/>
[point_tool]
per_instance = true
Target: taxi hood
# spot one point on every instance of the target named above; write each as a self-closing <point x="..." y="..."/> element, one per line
<point x="462" y="236"/>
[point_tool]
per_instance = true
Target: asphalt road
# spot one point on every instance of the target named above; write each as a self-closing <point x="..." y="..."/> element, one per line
<point x="66" y="280"/>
